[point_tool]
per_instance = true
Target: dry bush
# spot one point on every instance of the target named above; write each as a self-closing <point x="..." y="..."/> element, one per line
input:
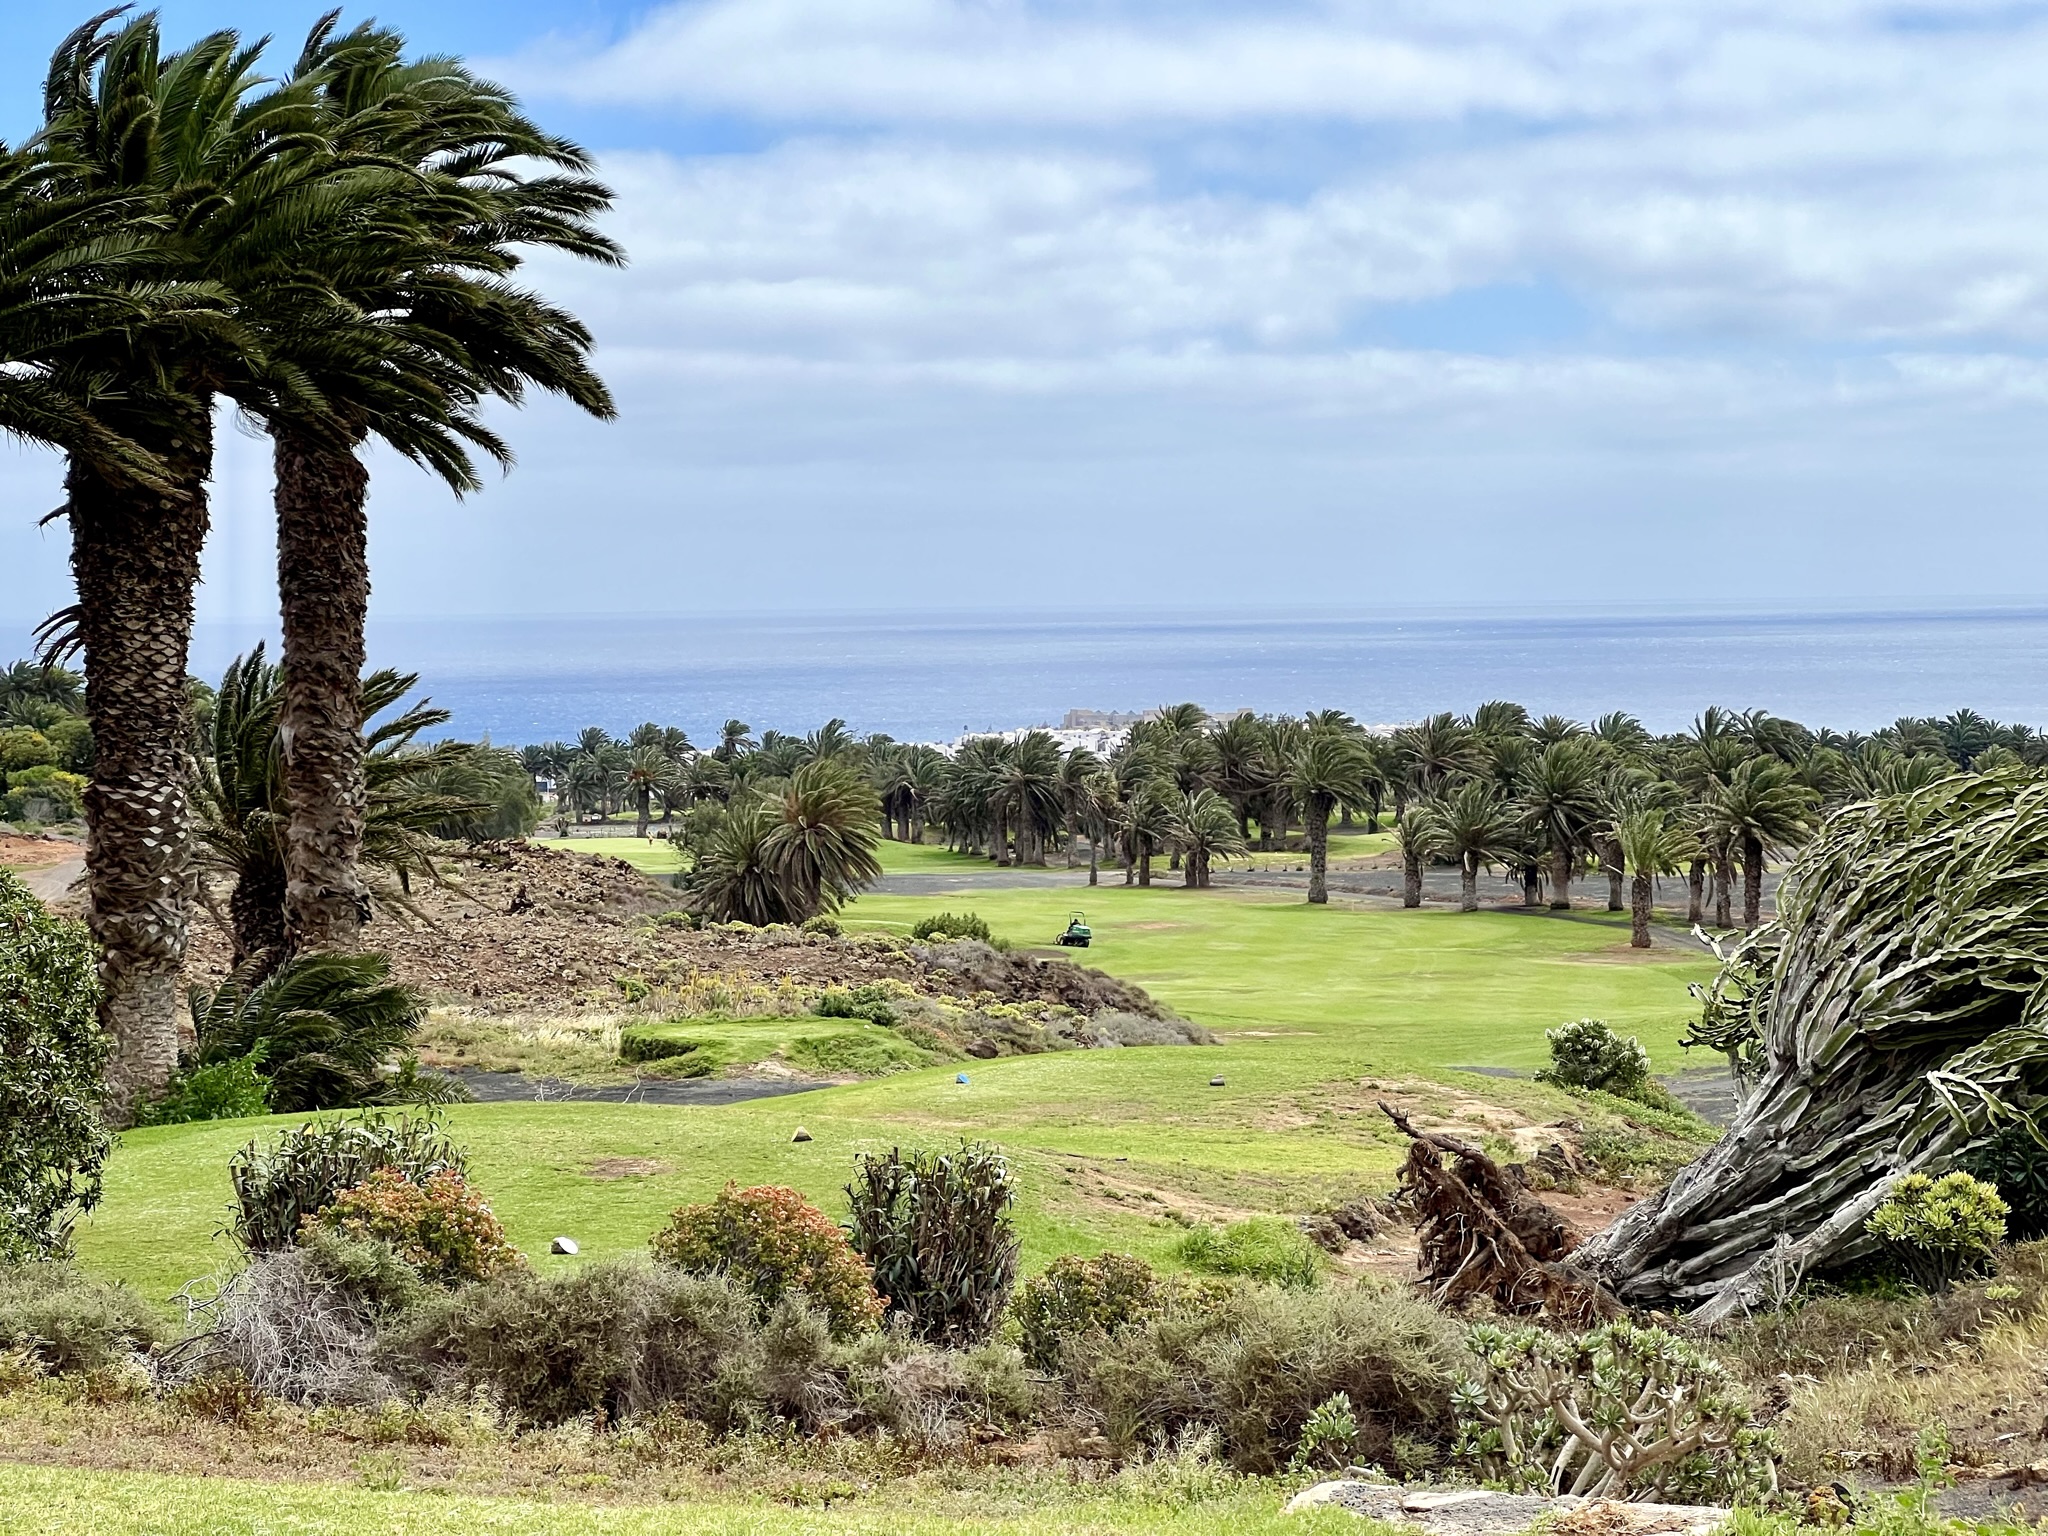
<point x="291" y="1330"/>
<point x="1254" y="1363"/>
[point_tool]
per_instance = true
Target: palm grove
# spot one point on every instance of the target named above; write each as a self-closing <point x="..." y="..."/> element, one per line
<point x="777" y="829"/>
<point x="331" y="250"/>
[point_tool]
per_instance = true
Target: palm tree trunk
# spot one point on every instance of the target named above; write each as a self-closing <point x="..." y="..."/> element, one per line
<point x="1344" y="818"/>
<point x="323" y="585"/>
<point x="1073" y="856"/>
<point x="1372" y="821"/>
<point x="1094" y="864"/>
<point x="1411" y="879"/>
<point x="1610" y="857"/>
<point x="1468" y="884"/>
<point x="644" y="809"/>
<point x="1561" y="878"/>
<point x="1639" y="910"/>
<point x="1532" y="885"/>
<point x="1145" y="863"/>
<point x="1722" y="916"/>
<point x="1191" y="872"/>
<point x="1752" y="883"/>
<point x="999" y="844"/>
<point x="256" y="913"/>
<point x="1316" y="824"/>
<point x="135" y="558"/>
<point x="1695" y="892"/>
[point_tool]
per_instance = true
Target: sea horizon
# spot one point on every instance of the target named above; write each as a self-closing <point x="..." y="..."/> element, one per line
<point x="934" y="677"/>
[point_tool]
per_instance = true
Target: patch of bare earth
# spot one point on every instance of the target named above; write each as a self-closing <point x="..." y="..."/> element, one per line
<point x="608" y="1169"/>
<point x="522" y="928"/>
<point x="18" y="852"/>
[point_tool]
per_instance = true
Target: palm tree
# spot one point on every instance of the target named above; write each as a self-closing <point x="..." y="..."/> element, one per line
<point x="822" y="847"/>
<point x="1420" y="835"/>
<point x="214" y="166"/>
<point x="649" y="771"/>
<point x="1651" y="845"/>
<point x="1433" y="754"/>
<point x="1561" y="799"/>
<point x="1204" y="829"/>
<point x="414" y="323"/>
<point x="735" y="739"/>
<point x="1764" y="808"/>
<point x="1476" y="827"/>
<point x="1326" y="770"/>
<point x="1076" y="769"/>
<point x="1031" y="794"/>
<point x="1243" y="770"/>
<point x="930" y="770"/>
<point x="1145" y="824"/>
<point x="240" y="798"/>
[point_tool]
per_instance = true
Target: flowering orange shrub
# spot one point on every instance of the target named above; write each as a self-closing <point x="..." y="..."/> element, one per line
<point x="443" y="1228"/>
<point x="774" y="1242"/>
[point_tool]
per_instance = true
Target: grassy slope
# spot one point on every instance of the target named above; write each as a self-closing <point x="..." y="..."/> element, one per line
<point x="1313" y="1004"/>
<point x="84" y="1503"/>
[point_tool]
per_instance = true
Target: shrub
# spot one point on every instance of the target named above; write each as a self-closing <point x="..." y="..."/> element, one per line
<point x="1939" y="1230"/>
<point x="1076" y="1297"/>
<point x="1620" y="1411"/>
<point x="226" y="1090"/>
<point x="1114" y="1026"/>
<point x="935" y="1228"/>
<point x="945" y="925"/>
<point x="638" y="1045"/>
<point x="43" y="794"/>
<point x="821" y="926"/>
<point x="71" y="1322"/>
<point x="440" y="1226"/>
<point x="1587" y="1054"/>
<point x="287" y="1327"/>
<point x="303" y="1172"/>
<point x="937" y="1399"/>
<point x="872" y="1002"/>
<point x="1329" y="1438"/>
<point x="52" y="1055"/>
<point x="330" y="1027"/>
<point x="615" y="1339"/>
<point x="1254" y="1363"/>
<point x="22" y="748"/>
<point x="1258" y="1248"/>
<point x="773" y="1243"/>
<point x="2017" y="1163"/>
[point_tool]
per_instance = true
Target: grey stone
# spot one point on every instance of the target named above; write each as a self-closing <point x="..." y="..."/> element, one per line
<point x="1481" y="1512"/>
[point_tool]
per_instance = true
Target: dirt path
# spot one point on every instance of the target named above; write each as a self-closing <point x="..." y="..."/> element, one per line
<point x="48" y="866"/>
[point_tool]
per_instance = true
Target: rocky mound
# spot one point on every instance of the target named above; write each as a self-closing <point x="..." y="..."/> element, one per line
<point x="525" y="928"/>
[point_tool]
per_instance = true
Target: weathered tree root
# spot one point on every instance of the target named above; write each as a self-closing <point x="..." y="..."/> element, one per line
<point x="1482" y="1234"/>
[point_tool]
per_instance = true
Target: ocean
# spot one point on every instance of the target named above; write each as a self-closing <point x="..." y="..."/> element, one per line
<point x="933" y="679"/>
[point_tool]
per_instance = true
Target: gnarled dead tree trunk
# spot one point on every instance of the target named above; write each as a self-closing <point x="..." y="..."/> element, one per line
<point x="1897" y="1009"/>
<point x="1482" y="1234"/>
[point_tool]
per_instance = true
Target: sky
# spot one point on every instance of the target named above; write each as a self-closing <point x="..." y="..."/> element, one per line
<point x="947" y="305"/>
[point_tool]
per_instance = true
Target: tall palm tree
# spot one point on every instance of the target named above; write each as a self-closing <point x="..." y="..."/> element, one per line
<point x="1076" y="769"/>
<point x="1030" y="793"/>
<point x="735" y="739"/>
<point x="1144" y="826"/>
<point x="219" y="166"/>
<point x="1561" y="799"/>
<point x="416" y="324"/>
<point x="822" y="847"/>
<point x="1325" y="770"/>
<point x="1432" y="754"/>
<point x="1477" y="827"/>
<point x="1243" y="770"/>
<point x="1765" y="808"/>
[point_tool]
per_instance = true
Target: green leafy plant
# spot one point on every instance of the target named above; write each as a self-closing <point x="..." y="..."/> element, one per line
<point x="822" y="926"/>
<point x="772" y="1243"/>
<point x="329" y="1026"/>
<point x="1075" y="1297"/>
<point x="871" y="1001"/>
<point x="305" y="1169"/>
<point x="946" y="925"/>
<point x="637" y="1045"/>
<point x="43" y="794"/>
<point x="1939" y="1230"/>
<point x="1257" y="1248"/>
<point x="441" y="1226"/>
<point x="234" y="1089"/>
<point x="1620" y="1411"/>
<point x="935" y="1228"/>
<point x="1587" y="1054"/>
<point x="70" y="1322"/>
<point x="1330" y="1437"/>
<point x="2014" y="1160"/>
<point x="52" y="1056"/>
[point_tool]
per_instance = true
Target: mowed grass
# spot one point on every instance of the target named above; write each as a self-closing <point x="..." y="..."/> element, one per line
<point x="73" y="1502"/>
<point x="1317" y="1007"/>
<point x="656" y="857"/>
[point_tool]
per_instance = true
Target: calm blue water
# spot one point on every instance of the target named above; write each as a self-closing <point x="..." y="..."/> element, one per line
<point x="930" y="680"/>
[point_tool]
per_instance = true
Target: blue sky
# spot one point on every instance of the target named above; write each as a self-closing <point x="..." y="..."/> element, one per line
<point x="940" y="304"/>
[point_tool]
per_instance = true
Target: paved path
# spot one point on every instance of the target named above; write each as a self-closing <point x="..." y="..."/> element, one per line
<point x="53" y="882"/>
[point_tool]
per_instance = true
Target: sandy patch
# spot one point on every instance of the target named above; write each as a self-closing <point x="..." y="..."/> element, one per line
<point x="609" y="1168"/>
<point x="36" y="852"/>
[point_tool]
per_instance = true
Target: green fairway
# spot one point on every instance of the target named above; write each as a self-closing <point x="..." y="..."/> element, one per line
<point x="1314" y="1006"/>
<point x="91" y="1503"/>
<point x="656" y="858"/>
